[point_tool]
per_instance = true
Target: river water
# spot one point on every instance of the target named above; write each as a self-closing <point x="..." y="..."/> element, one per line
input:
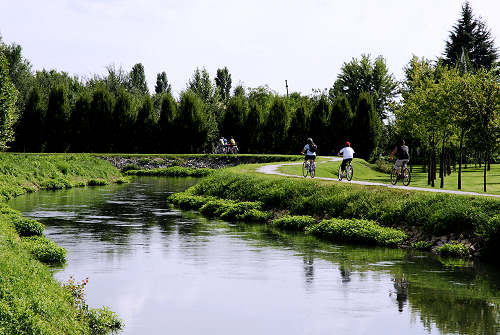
<point x="165" y="271"/>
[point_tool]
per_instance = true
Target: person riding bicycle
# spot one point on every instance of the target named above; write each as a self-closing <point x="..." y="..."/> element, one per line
<point x="347" y="154"/>
<point x="310" y="151"/>
<point x="402" y="154"/>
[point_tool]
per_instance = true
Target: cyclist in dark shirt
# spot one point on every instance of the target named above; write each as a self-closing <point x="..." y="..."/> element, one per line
<point x="402" y="154"/>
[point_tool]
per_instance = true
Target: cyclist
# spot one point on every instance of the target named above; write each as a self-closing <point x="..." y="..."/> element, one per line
<point x="402" y="154"/>
<point x="310" y="151"/>
<point x="348" y="154"/>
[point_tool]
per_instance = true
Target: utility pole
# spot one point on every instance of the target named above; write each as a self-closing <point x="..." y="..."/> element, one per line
<point x="286" y="84"/>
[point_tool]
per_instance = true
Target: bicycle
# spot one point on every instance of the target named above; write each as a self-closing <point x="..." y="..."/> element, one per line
<point x="404" y="175"/>
<point x="349" y="171"/>
<point x="309" y="168"/>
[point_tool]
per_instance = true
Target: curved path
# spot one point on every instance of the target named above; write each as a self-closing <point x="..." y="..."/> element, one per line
<point x="273" y="169"/>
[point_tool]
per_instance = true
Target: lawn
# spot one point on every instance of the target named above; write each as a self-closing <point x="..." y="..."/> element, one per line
<point x="472" y="178"/>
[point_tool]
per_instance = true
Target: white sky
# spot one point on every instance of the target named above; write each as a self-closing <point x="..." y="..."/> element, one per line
<point x="261" y="42"/>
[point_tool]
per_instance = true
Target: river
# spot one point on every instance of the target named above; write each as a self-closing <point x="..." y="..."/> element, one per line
<point x="165" y="271"/>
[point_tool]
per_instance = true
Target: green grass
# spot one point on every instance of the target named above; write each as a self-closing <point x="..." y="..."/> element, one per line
<point x="472" y="178"/>
<point x="22" y="173"/>
<point x="31" y="300"/>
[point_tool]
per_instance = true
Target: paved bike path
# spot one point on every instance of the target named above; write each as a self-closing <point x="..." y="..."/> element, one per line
<point x="273" y="169"/>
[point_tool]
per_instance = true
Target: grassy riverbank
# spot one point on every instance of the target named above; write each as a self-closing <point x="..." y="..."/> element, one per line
<point x="22" y="173"/>
<point x="472" y="177"/>
<point x="475" y="219"/>
<point x="31" y="300"/>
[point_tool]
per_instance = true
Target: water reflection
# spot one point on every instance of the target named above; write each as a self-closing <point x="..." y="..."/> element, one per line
<point x="166" y="271"/>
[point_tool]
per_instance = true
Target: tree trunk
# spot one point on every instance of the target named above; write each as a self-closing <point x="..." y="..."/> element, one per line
<point x="460" y="160"/>
<point x="484" y="176"/>
<point x="442" y="166"/>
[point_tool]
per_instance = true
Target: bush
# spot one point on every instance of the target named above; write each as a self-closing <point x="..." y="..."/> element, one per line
<point x="299" y="222"/>
<point x="216" y="207"/>
<point x="187" y="201"/>
<point x="97" y="182"/>
<point x="28" y="227"/>
<point x="129" y="167"/>
<point x="454" y="250"/>
<point x="422" y="245"/>
<point x="361" y="231"/>
<point x="45" y="250"/>
<point x="102" y="321"/>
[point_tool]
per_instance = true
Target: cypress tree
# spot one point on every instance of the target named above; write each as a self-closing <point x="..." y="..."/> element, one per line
<point x="166" y="123"/>
<point x="124" y="118"/>
<point x="275" y="129"/>
<point x="57" y="119"/>
<point x="80" y="123"/>
<point x="366" y="127"/>
<point x="145" y="126"/>
<point x="30" y="126"/>
<point x="319" y="124"/>
<point x="298" y="130"/>
<point x="101" y="121"/>
<point x="340" y="122"/>
<point x="254" y="128"/>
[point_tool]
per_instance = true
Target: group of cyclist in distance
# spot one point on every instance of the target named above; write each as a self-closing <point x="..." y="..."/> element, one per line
<point x="399" y="171"/>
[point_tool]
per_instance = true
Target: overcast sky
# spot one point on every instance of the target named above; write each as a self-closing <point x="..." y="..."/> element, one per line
<point x="260" y="41"/>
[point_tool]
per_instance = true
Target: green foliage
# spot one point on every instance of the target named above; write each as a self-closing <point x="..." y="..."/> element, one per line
<point x="137" y="82"/>
<point x="454" y="250"/>
<point x="275" y="127"/>
<point x="21" y="173"/>
<point x="470" y="38"/>
<point x="27" y="227"/>
<point x="366" y="76"/>
<point x="173" y="171"/>
<point x="223" y="82"/>
<point x="188" y="201"/>
<point x="8" y="109"/>
<point x="359" y="231"/>
<point x="422" y="245"/>
<point x="296" y="222"/>
<point x="31" y="300"/>
<point x="368" y="126"/>
<point x="97" y="182"/>
<point x="103" y="321"/>
<point x="57" y="119"/>
<point x="162" y="84"/>
<point x="433" y="213"/>
<point x="45" y="250"/>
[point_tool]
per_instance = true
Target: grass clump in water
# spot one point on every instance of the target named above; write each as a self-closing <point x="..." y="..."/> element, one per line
<point x="358" y="231"/>
<point x="454" y="250"/>
<point x="173" y="171"/>
<point x="295" y="222"/>
<point x="422" y="245"/>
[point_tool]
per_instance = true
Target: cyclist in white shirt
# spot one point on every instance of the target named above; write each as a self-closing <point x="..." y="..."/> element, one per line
<point x="347" y="153"/>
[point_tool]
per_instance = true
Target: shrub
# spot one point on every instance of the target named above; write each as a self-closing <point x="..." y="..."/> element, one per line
<point x="422" y="245"/>
<point x="45" y="250"/>
<point x="97" y="182"/>
<point x="361" y="231"/>
<point x="454" y="250"/>
<point x="298" y="222"/>
<point x="28" y="227"/>
<point x="216" y="207"/>
<point x="253" y="215"/>
<point x="102" y="321"/>
<point x="238" y="210"/>
<point x="56" y="184"/>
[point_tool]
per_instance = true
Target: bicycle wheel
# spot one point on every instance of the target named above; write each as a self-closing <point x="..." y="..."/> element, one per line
<point x="305" y="169"/>
<point x="394" y="176"/>
<point x="349" y="172"/>
<point x="313" y="170"/>
<point x="340" y="172"/>
<point x="406" y="177"/>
